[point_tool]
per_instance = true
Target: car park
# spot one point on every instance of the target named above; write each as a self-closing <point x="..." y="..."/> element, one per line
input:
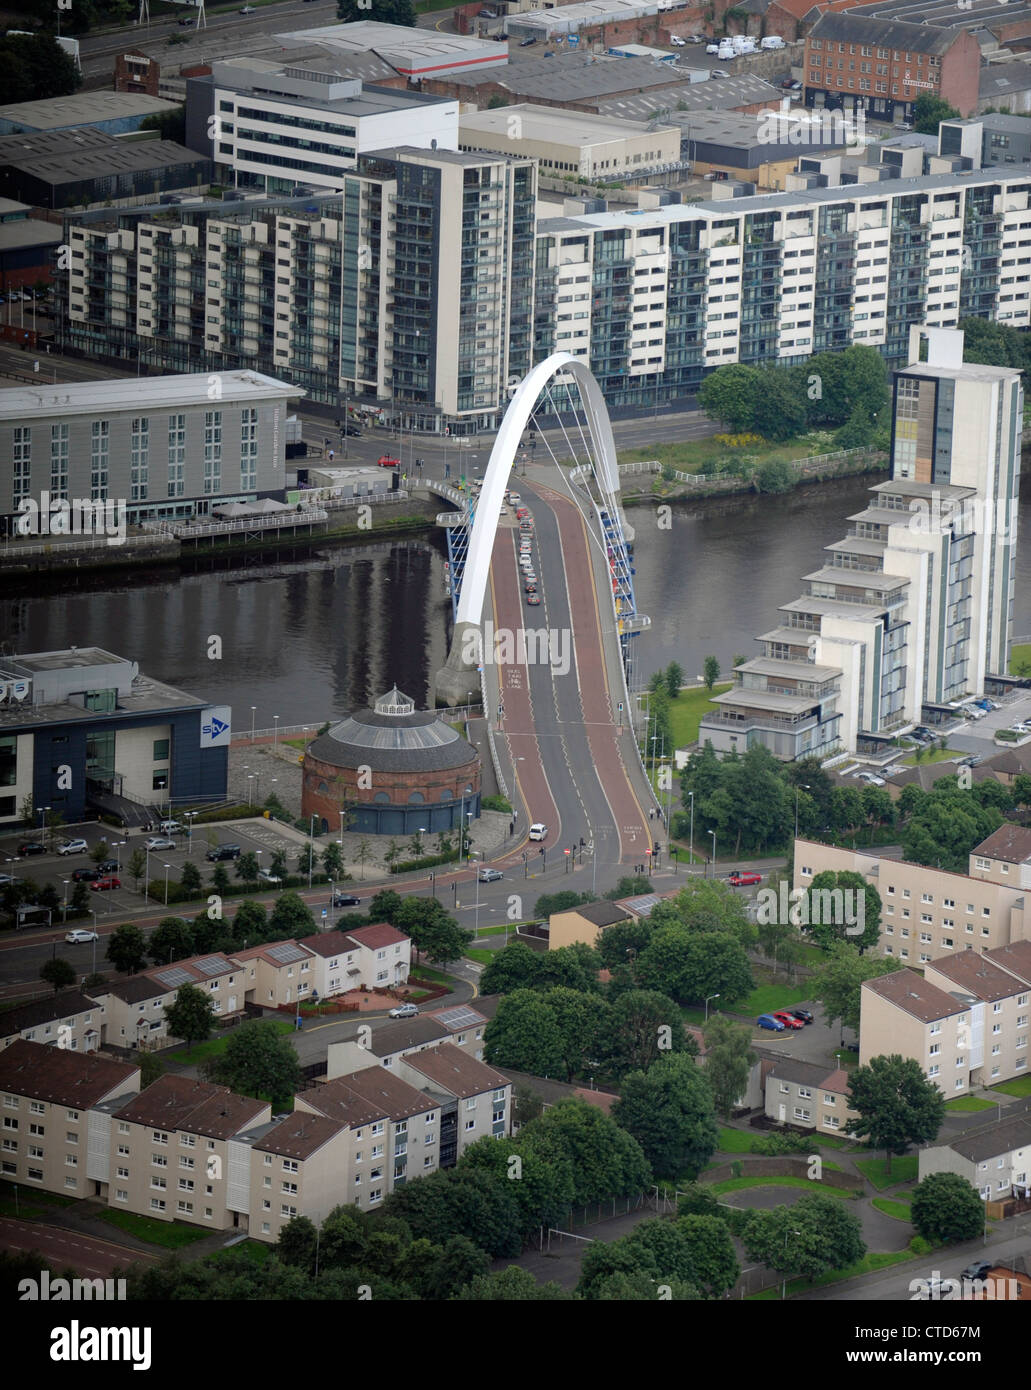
<point x="215" y="854"/>
<point x="73" y="847"/>
<point x="803" y="1014"/>
<point x="538" y="831"/>
<point x="788" y="1020"/>
<point x="404" y="1011"/>
<point x="741" y="878"/>
<point x="490" y="875"/>
<point x="345" y="900"/>
<point x="163" y="842"/>
<point x="102" y="885"/>
<point x="79" y="937"/>
<point x="108" y="866"/>
<point x="86" y="875"/>
<point x="385" y="461"/>
<point x="770" y="1023"/>
<point x="677" y="41"/>
<point x="30" y="847"/>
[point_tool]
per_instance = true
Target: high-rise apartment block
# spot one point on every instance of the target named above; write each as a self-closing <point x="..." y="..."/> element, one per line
<point x="913" y="608"/>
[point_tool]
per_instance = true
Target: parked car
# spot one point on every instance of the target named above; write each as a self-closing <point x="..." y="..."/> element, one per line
<point x="86" y="875"/>
<point x="79" y="937"/>
<point x="249" y="9"/>
<point x="108" y="866"/>
<point x="345" y="900"/>
<point x="538" y="831"/>
<point x="712" y="48"/>
<point x="803" y="1014"/>
<point x="163" y="842"/>
<point x="170" y="827"/>
<point x="527" y="43"/>
<point x="385" y="461"/>
<point x="971" y="760"/>
<point x="741" y="878"/>
<point x="870" y="778"/>
<point x="219" y="851"/>
<point x="267" y="876"/>
<point x="978" y="1270"/>
<point x="973" y="712"/>
<point x="490" y="875"/>
<point x="772" y="41"/>
<point x="788" y="1020"/>
<point x="404" y="1011"/>
<point x="103" y="885"/>
<point x="73" y="847"/>
<point x="185" y="23"/>
<point x="677" y="41"/>
<point x="31" y="847"/>
<point x="1021" y="728"/>
<point x="768" y="1021"/>
<point x="7" y="879"/>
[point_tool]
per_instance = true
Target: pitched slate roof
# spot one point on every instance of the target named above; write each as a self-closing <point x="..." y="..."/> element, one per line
<point x="59" y="1075"/>
<point x="883" y="33"/>
<point x="49" y="1010"/>
<point x="912" y="993"/>
<point x="182" y="1102"/>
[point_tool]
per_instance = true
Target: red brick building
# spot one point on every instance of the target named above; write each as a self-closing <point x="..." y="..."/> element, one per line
<point x="882" y="67"/>
<point x="134" y="72"/>
<point x="394" y="769"/>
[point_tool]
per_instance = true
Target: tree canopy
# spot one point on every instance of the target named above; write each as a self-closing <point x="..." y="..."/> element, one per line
<point x="897" y="1105"/>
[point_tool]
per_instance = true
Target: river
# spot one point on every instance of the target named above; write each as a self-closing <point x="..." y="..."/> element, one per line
<point x="311" y="638"/>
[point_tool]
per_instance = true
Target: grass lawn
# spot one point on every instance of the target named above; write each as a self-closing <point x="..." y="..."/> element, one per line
<point x="1016" y="1086"/>
<point x="1020" y="656"/>
<point x="936" y="755"/>
<point x="480" y="954"/>
<point x="784" y="1180"/>
<point x="496" y="931"/>
<point x="687" y="709"/>
<point x="30" y="1202"/>
<point x="435" y="977"/>
<point x="255" y="1250"/>
<point x="173" y="1235"/>
<point x="969" y="1104"/>
<point x="903" y="1169"/>
<point x="214" y="1047"/>
<point x="299" y="743"/>
<point x="700" y="455"/>
<point x="899" y="1210"/>
<point x="769" y="998"/>
<point x="877" y="1259"/>
<point x="696" y="1017"/>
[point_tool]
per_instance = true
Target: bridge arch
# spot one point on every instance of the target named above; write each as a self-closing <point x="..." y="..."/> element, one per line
<point x="458" y="681"/>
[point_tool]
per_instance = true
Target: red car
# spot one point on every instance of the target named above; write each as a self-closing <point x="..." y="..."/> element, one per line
<point x="101" y="885"/>
<point x="385" y="461"/>
<point x="788" y="1020"/>
<point x="741" y="879"/>
<point x="522" y="513"/>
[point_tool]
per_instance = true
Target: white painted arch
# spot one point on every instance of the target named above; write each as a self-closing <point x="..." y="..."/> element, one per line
<point x="502" y="458"/>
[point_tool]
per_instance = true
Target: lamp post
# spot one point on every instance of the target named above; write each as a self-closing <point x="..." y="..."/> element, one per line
<point x="254" y="709"/>
<point x="43" y="823"/>
<point x="275" y="718"/>
<point x="189" y="831"/>
<point x="117" y="847"/>
<point x="784" y="1285"/>
<point x="800" y="786"/>
<point x="311" y="848"/>
<point x="711" y="996"/>
<point x="167" y="867"/>
<point x="64" y="908"/>
<point x="713" y="834"/>
<point x="691" y="846"/>
<point x="146" y="875"/>
<point x="250" y="789"/>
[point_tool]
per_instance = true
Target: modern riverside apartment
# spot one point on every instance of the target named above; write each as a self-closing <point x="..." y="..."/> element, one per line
<point x="426" y="285"/>
<point x="931" y="915"/>
<point x="913" y="608"/>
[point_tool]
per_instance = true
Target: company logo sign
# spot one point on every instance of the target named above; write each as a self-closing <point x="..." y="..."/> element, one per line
<point x="216" y="726"/>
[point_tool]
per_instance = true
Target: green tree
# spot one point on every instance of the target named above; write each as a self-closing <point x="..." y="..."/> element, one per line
<point x="730" y="394"/>
<point x="513" y="967"/>
<point x="674" y="679"/>
<point x="583" y="1022"/>
<point x="542" y="1191"/>
<point x="290" y="917"/>
<point x="947" y="1208"/>
<point x="190" y="880"/>
<point x="278" y="864"/>
<point x="172" y="939"/>
<point x="575" y="966"/>
<point x="34" y="67"/>
<point x="57" y="973"/>
<point x="707" y="905"/>
<point x="126" y="949"/>
<point x="80" y="899"/>
<point x="929" y="111"/>
<point x="693" y="965"/>
<point x="656" y="682"/>
<point x="333" y="861"/>
<point x="780" y="409"/>
<point x="247" y="867"/>
<point x="896" y="1103"/>
<point x="710" y="672"/>
<point x="460" y="1201"/>
<point x="297" y="1244"/>
<point x="99" y="852"/>
<point x="191" y="1015"/>
<point x="728" y="1061"/>
<point x="825" y="911"/>
<point x="629" y="886"/>
<point x="714" y="1266"/>
<point x="443" y="940"/>
<point x="644" y="1025"/>
<point x="623" y="941"/>
<point x="524" y="1035"/>
<point x="257" y="1061"/>
<point x="858" y="430"/>
<point x="137" y="866"/>
<point x="815" y="1235"/>
<point x="946" y="829"/>
<point x="387" y="12"/>
<point x="220" y="879"/>
<point x="511" y="1285"/>
<point x="151" y="1067"/>
<point x="363" y="853"/>
<point x="602" y="1158"/>
<point x="774" y="475"/>
<point x="170" y="125"/>
<point x="838" y="982"/>
<point x="550" y="903"/>
<point x="249" y="926"/>
<point x="669" y="1111"/>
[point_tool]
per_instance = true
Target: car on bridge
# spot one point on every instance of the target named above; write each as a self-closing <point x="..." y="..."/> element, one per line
<point x="385" y="461"/>
<point x="533" y="599"/>
<point x="103" y="885"/>
<point x="79" y="937"/>
<point x="538" y="831"/>
<point x="741" y="878"/>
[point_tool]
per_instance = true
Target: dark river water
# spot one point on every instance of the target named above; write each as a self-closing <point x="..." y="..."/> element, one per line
<point x="311" y="638"/>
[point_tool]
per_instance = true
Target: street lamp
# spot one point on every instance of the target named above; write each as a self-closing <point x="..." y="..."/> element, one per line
<point x="711" y="996"/>
<point x="250" y="789"/>
<point x="253" y="712"/>
<point x="64" y="909"/>
<point x="42" y="823"/>
<point x="713" y="834"/>
<point x="311" y="848"/>
<point x="275" y="721"/>
<point x="784" y="1285"/>
<point x="167" y="867"/>
<point x="691" y="848"/>
<point x="800" y="786"/>
<point x="189" y="831"/>
<point x="116" y="845"/>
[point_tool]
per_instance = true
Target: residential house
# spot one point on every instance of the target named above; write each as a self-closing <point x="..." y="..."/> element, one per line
<point x="48" y="1137"/>
<point x="997" y="986"/>
<point x="297" y="1168"/>
<point x="178" y="1153"/>
<point x="474" y="1099"/>
<point x="280" y="972"/>
<point x="584" y="923"/>
<point x="550" y="1092"/>
<point x="365" y="957"/>
<point x="68" y="1020"/>
<point x="808" y="1096"/>
<point x="996" y="1160"/>
<point x="385" y="1045"/>
<point x="466" y="1023"/>
<point x="134" y="1009"/>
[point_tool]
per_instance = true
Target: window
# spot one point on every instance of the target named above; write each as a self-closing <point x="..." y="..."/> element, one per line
<point x="248" y="449"/>
<point x="470" y="1124"/>
<point x="176" y="455"/>
<point x="212" y="451"/>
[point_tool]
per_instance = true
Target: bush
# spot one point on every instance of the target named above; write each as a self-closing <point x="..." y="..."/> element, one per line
<point x="919" y="1246"/>
<point x="496" y="803"/>
<point x="774" y="1144"/>
<point x="775" y="476"/>
<point x="218" y="813"/>
<point x="428" y="861"/>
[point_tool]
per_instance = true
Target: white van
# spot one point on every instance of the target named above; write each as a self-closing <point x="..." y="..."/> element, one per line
<point x="772" y="41"/>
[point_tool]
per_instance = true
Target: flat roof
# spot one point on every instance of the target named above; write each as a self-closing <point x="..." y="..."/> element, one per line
<point x="858" y="579"/>
<point x="723" y="95"/>
<point x="553" y="124"/>
<point x="945" y="14"/>
<point x="85" y="108"/>
<point x="798" y="670"/>
<point x="120" y="157"/>
<point x="767" y="699"/>
<point x="14" y="235"/>
<point x="572" y="76"/>
<point x="834" y="607"/>
<point x="370" y="101"/>
<point x="414" y="52"/>
<point x="138" y="393"/>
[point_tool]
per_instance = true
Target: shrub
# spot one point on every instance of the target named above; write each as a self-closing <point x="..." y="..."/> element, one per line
<point x="428" y="861"/>
<point x="496" y="803"/>
<point x="919" y="1246"/>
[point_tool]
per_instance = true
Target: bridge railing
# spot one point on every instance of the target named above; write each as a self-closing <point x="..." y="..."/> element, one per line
<point x="502" y="785"/>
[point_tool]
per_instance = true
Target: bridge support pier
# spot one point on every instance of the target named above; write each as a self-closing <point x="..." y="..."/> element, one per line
<point x="458" y="680"/>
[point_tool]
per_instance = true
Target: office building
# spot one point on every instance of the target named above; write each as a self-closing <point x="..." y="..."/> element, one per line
<point x="272" y="126"/>
<point x="930" y="915"/>
<point x="117" y="113"/>
<point x="988" y="141"/>
<point x="158" y="447"/>
<point x="913" y="608"/>
<point x="83" y="728"/>
<point x="571" y="142"/>
<point x="882" y="66"/>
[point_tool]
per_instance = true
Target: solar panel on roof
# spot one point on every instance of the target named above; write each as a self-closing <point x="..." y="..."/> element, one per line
<point x="461" y="1017"/>
<point x="174" y="978"/>
<point x="210" y="965"/>
<point x="286" y="951"/>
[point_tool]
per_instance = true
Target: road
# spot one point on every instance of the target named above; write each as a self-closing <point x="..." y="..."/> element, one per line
<point x="67" y="1249"/>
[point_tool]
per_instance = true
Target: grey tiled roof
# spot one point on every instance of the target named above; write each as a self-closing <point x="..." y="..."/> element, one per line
<point x="417" y="742"/>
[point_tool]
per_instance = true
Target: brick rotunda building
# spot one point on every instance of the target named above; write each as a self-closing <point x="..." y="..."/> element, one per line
<point x="396" y="769"/>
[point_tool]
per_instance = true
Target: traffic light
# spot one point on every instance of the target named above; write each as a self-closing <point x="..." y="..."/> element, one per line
<point x="656" y="846"/>
<point x="581" y="842"/>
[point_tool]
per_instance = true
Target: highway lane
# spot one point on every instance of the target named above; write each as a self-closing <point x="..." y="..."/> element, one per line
<point x="65" y="1249"/>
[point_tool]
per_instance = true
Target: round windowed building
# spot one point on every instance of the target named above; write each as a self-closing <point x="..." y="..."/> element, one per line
<point x="394" y="769"/>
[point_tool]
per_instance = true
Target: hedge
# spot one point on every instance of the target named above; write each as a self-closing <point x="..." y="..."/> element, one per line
<point x="429" y="861"/>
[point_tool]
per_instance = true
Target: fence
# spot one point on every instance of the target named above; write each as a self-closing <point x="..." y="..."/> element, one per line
<point x="15" y="550"/>
<point x="803" y="466"/>
<point x="263" y="521"/>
